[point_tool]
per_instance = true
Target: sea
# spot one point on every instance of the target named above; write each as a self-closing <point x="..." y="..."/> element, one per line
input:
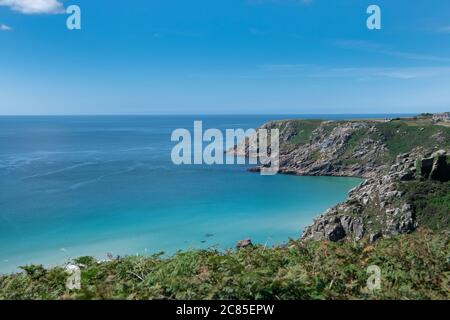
<point x="74" y="186"/>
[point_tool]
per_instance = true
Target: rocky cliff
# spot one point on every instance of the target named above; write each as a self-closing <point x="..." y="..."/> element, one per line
<point x="394" y="157"/>
<point x="381" y="206"/>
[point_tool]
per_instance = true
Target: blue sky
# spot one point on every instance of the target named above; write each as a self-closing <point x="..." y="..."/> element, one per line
<point x="224" y="57"/>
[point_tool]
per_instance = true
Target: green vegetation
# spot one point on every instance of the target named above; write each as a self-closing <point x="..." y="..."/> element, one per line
<point x="398" y="135"/>
<point x="402" y="136"/>
<point x="414" y="266"/>
<point x="431" y="200"/>
<point x="354" y="142"/>
<point x="303" y="131"/>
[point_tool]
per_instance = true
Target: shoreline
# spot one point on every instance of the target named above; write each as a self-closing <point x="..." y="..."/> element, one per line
<point x="345" y="219"/>
<point x="304" y="217"/>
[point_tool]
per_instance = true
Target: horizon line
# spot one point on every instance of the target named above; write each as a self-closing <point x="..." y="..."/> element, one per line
<point x="204" y="114"/>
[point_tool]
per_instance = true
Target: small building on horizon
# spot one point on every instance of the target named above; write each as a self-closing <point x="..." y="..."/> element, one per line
<point x="441" y="116"/>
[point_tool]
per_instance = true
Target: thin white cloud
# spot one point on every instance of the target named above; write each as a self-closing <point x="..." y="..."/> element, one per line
<point x="401" y="73"/>
<point x="288" y="67"/>
<point x="361" y="73"/>
<point x="381" y="49"/>
<point x="4" y="27"/>
<point x="300" y="2"/>
<point x="444" y="29"/>
<point x="34" y="6"/>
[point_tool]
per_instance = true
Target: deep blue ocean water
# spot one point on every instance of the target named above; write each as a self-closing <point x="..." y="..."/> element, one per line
<point x="92" y="185"/>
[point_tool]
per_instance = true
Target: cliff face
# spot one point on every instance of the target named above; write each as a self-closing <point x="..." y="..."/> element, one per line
<point x="381" y="206"/>
<point x="329" y="148"/>
<point x="391" y="155"/>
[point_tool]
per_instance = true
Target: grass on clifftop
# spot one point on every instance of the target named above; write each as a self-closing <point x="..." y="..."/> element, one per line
<point x="404" y="135"/>
<point x="399" y="135"/>
<point x="431" y="201"/>
<point x="414" y="266"/>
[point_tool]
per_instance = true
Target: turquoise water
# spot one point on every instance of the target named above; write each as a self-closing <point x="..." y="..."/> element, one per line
<point x="72" y="186"/>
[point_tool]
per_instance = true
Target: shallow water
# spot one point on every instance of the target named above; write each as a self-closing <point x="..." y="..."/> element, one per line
<point x="72" y="186"/>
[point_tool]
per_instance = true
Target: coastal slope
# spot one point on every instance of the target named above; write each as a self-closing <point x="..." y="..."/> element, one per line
<point x="414" y="266"/>
<point x="404" y="161"/>
<point x="406" y="188"/>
